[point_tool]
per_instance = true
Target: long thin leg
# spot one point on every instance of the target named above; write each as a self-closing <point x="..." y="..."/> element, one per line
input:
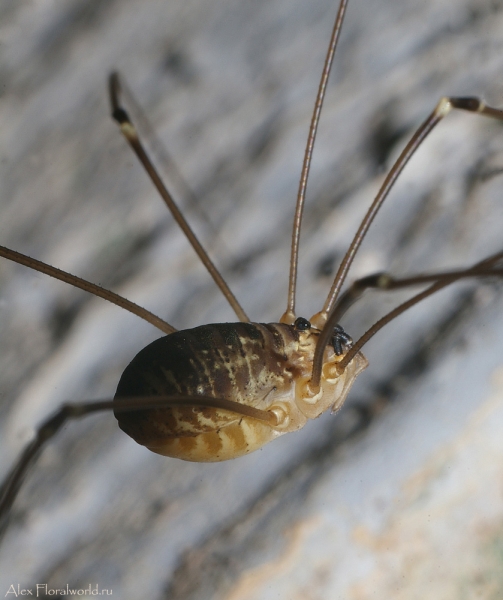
<point x="131" y="135"/>
<point x="386" y="282"/>
<point x="50" y="427"/>
<point x="164" y="158"/>
<point x="289" y="315"/>
<point x="87" y="286"/>
<point x="489" y="267"/>
<point x="442" y="109"/>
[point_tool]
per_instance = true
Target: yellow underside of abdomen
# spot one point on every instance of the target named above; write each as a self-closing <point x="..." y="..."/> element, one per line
<point x="235" y="439"/>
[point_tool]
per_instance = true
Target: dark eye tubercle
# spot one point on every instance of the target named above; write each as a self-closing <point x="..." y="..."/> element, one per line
<point x="302" y="324"/>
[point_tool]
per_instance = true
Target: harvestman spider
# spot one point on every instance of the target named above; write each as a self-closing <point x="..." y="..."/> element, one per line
<point x="220" y="391"/>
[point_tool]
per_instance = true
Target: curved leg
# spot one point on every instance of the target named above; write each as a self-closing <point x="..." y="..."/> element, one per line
<point x="129" y="131"/>
<point x="491" y="266"/>
<point x="386" y="282"/>
<point x="50" y="427"/>
<point x="87" y="286"/>
<point x="442" y="109"/>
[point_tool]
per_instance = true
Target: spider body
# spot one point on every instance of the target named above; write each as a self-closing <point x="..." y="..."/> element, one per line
<point x="265" y="366"/>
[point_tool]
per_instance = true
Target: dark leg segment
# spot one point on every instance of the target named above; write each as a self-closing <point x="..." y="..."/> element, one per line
<point x="489" y="267"/>
<point x="442" y="109"/>
<point x="130" y="133"/>
<point x="50" y="427"/>
<point x="87" y="286"/>
<point x="386" y="282"/>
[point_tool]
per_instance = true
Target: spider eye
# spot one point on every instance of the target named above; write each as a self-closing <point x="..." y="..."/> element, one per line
<point x="302" y="324"/>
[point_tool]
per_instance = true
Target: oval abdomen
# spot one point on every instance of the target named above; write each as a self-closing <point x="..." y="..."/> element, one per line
<point x="242" y="362"/>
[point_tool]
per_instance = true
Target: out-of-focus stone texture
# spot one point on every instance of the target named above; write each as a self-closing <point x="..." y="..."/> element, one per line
<point x="436" y="532"/>
<point x="401" y="494"/>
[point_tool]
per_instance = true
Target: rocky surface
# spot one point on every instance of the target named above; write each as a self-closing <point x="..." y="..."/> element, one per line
<point x="400" y="495"/>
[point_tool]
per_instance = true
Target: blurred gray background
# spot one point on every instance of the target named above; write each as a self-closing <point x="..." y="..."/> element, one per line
<point x="398" y="497"/>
